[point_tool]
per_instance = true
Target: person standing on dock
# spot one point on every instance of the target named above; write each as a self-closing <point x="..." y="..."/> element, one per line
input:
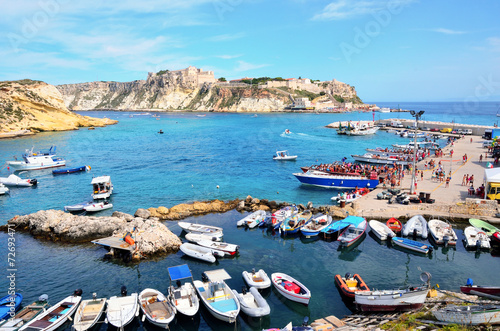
<point x="480" y="158"/>
<point x="464" y="179"/>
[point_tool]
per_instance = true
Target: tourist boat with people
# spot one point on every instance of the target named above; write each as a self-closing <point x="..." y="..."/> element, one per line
<point x="89" y="313"/>
<point x="486" y="227"/>
<point x="14" y="180"/>
<point x="55" y="316"/>
<point x="258" y="279"/>
<point x="381" y="230"/>
<point x="122" y="309"/>
<point x="412" y="245"/>
<point x="156" y="308"/>
<point x="406" y="299"/>
<point x="291" y="288"/>
<point x="3" y="189"/>
<point x="25" y="315"/>
<point x="312" y="228"/>
<point x="70" y="170"/>
<point x="342" y="181"/>
<point x="102" y="187"/>
<point x="209" y="230"/>
<point x="476" y="239"/>
<point x="353" y="233"/>
<point x="37" y="160"/>
<point x="349" y="285"/>
<point x="383" y="159"/>
<point x="442" y="232"/>
<point x="487" y="314"/>
<point x="470" y="288"/>
<point x="216" y="295"/>
<point x="252" y="302"/>
<point x="200" y="252"/>
<point x="10" y="304"/>
<point x="395" y="225"/>
<point x="252" y="220"/>
<point x="416" y="226"/>
<point x="293" y="224"/>
<point x="182" y="296"/>
<point x="284" y="156"/>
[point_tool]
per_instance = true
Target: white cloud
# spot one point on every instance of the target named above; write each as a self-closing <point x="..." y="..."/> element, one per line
<point x="226" y="37"/>
<point x="447" y="31"/>
<point x="229" y="57"/>
<point x="344" y="9"/>
<point x="245" y="66"/>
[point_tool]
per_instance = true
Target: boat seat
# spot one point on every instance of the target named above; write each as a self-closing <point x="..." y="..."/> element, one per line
<point x="40" y="324"/>
<point x="89" y="317"/>
<point x="158" y="309"/>
<point x="177" y="294"/>
<point x="67" y="304"/>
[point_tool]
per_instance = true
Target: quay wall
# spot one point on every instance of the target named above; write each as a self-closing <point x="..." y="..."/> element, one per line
<point x="477" y="130"/>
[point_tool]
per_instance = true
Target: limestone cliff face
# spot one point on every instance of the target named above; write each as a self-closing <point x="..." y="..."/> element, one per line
<point x="37" y="106"/>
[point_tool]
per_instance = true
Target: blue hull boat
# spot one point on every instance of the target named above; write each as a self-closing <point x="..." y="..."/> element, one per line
<point x="9" y="304"/>
<point x="336" y="181"/>
<point x="411" y="245"/>
<point x="70" y="170"/>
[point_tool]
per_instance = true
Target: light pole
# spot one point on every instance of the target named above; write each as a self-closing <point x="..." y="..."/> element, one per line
<point x="413" y="178"/>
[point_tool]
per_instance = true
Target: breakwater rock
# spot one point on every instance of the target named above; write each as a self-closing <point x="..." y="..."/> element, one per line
<point x="150" y="235"/>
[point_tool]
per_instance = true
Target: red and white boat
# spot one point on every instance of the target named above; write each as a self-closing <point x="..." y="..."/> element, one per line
<point x="291" y="288"/>
<point x="394" y="224"/>
<point x="491" y="290"/>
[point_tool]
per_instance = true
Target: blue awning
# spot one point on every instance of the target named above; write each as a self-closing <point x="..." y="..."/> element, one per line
<point x="179" y="272"/>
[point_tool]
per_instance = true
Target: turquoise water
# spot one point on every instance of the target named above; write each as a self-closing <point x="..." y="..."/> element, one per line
<point x="187" y="163"/>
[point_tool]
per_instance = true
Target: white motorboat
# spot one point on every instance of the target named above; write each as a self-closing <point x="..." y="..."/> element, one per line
<point x="378" y="159"/>
<point x="195" y="237"/>
<point x="253" y="219"/>
<point x="56" y="315"/>
<point x="442" y="232"/>
<point x="380" y="230"/>
<point x="224" y="248"/>
<point x="78" y="206"/>
<point x="102" y="187"/>
<point x="199" y="252"/>
<point x="352" y="233"/>
<point x="38" y="160"/>
<point x="88" y="314"/>
<point x="284" y="156"/>
<point x="97" y="206"/>
<point x="122" y="310"/>
<point x="212" y="231"/>
<point x="259" y="279"/>
<point x="362" y="131"/>
<point x="312" y="228"/>
<point x="476" y="238"/>
<point x="14" y="180"/>
<point x="217" y="296"/>
<point x="252" y="303"/>
<point x="3" y="189"/>
<point x="469" y="315"/>
<point x="417" y="225"/>
<point x="182" y="296"/>
<point x="156" y="307"/>
<point x="291" y="288"/>
<point x="384" y="110"/>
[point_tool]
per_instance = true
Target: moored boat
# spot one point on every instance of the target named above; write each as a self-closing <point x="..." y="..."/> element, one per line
<point x="122" y="310"/>
<point x="492" y="290"/>
<point x="89" y="313"/>
<point x="284" y="156"/>
<point x="3" y="189"/>
<point x="156" y="307"/>
<point x="476" y="239"/>
<point x="416" y="226"/>
<point x="332" y="231"/>
<point x="293" y="224"/>
<point x="38" y="160"/>
<point x="258" y="279"/>
<point x="25" y="315"/>
<point x="217" y="296"/>
<point x="378" y="159"/>
<point x="199" y="252"/>
<point x="381" y="230"/>
<point x="411" y="245"/>
<point x="78" y="207"/>
<point x="14" y="180"/>
<point x="70" y="170"/>
<point x="102" y="187"/>
<point x="442" y="232"/>
<point x="253" y="219"/>
<point x="394" y="224"/>
<point x="322" y="179"/>
<point x="212" y="231"/>
<point x="280" y="215"/>
<point x="349" y="285"/>
<point x="352" y="233"/>
<point x="484" y="226"/>
<point x="195" y="237"/>
<point x="223" y="247"/>
<point x="317" y="224"/>
<point x="10" y="304"/>
<point x="291" y="288"/>
<point x="469" y="315"/>
<point x="252" y="303"/>
<point x="495" y="239"/>
<point x="182" y="296"/>
<point x="97" y="206"/>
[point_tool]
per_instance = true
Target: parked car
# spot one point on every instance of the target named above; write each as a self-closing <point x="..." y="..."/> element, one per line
<point x="435" y="130"/>
<point x="487" y="143"/>
<point x="445" y="130"/>
<point x="426" y="128"/>
<point x="467" y="131"/>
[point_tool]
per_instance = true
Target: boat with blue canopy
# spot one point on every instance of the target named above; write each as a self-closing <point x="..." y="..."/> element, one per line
<point x="182" y="296"/>
<point x="10" y="304"/>
<point x="332" y="231"/>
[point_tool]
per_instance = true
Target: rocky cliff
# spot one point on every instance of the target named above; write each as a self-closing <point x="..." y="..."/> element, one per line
<point x="173" y="91"/>
<point x="35" y="106"/>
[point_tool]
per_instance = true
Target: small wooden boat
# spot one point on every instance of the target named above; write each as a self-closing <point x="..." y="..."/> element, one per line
<point x="259" y="279"/>
<point x="199" y="252"/>
<point x="182" y="296"/>
<point x="469" y="315"/>
<point x="10" y="304"/>
<point x="252" y="303"/>
<point x="381" y="230"/>
<point x="70" y="170"/>
<point x="406" y="299"/>
<point x="411" y="245"/>
<point x="291" y="288"/>
<point x="293" y="224"/>
<point x="476" y="239"/>
<point x="25" y="315"/>
<point x="352" y="233"/>
<point x="97" y="206"/>
<point x="317" y="224"/>
<point x="56" y="315"/>
<point x="225" y="248"/>
<point x="195" y="237"/>
<point x="491" y="290"/>
<point x="349" y="285"/>
<point x="122" y="310"/>
<point x="253" y="219"/>
<point x="156" y="307"/>
<point x="212" y="231"/>
<point x="284" y="156"/>
<point x="14" y="180"/>
<point x="483" y="226"/>
<point x="442" y="232"/>
<point x="417" y="225"/>
<point x="394" y="224"/>
<point x="217" y="296"/>
<point x="89" y="313"/>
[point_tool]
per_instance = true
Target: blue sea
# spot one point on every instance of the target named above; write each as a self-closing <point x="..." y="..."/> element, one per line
<point x="205" y="156"/>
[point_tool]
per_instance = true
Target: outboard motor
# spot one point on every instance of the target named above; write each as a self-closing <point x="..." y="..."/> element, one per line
<point x="347" y="275"/>
<point x="204" y="277"/>
<point x="253" y="271"/>
<point x="244" y="290"/>
<point x="123" y="291"/>
<point x="94" y="296"/>
<point x="43" y="298"/>
<point x="306" y="321"/>
<point x="78" y="292"/>
<point x="33" y="181"/>
<point x="478" y="245"/>
<point x="415" y="233"/>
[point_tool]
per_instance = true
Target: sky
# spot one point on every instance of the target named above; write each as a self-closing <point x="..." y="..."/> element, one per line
<point x="391" y="50"/>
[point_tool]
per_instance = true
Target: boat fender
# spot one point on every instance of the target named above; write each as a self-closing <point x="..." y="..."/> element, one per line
<point x="78" y="292"/>
<point x="43" y="298"/>
<point x="123" y="291"/>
